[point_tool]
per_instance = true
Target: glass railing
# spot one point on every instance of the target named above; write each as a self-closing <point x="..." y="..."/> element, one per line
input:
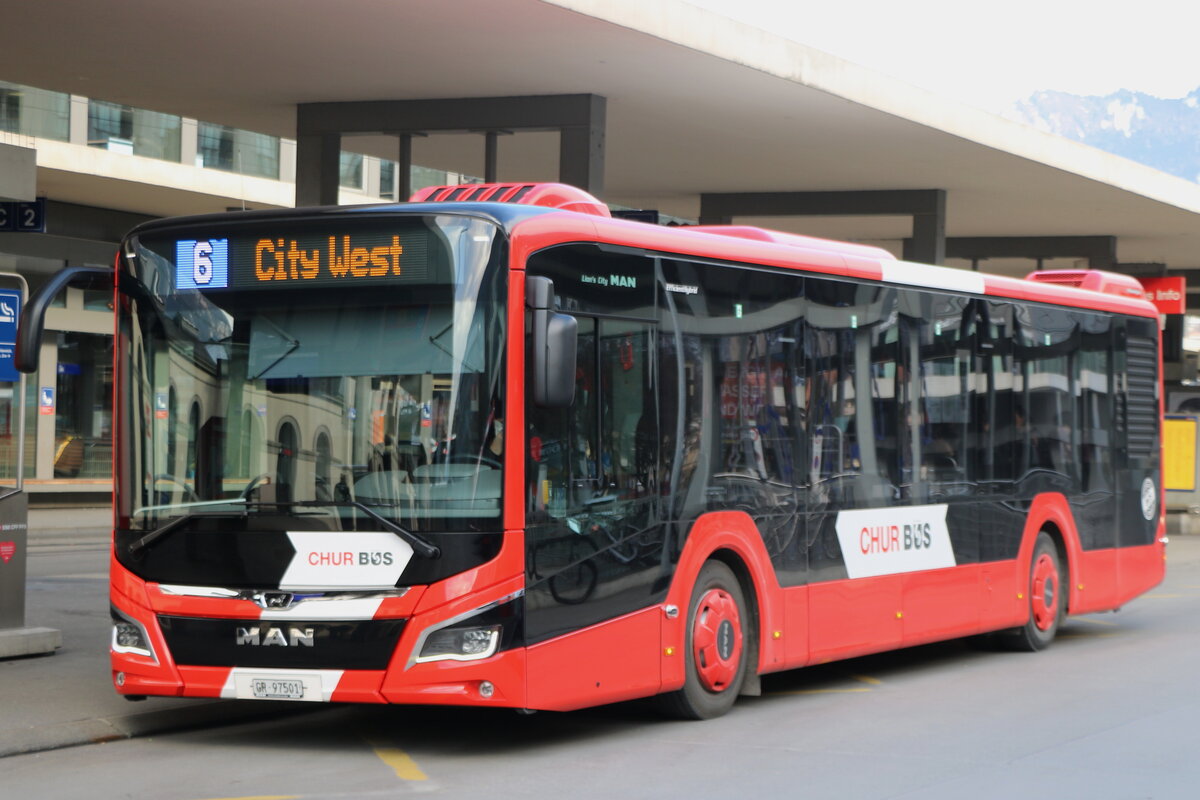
<point x="133" y="131"/>
<point x="34" y="112"/>
<point x="234" y="150"/>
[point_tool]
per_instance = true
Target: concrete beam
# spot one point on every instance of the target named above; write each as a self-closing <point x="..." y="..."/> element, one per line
<point x="1100" y="251"/>
<point x="927" y="207"/>
<point x="529" y="113"/>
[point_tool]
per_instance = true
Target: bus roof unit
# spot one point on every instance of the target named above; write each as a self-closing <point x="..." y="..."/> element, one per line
<point x="1094" y="279"/>
<point x="550" y="195"/>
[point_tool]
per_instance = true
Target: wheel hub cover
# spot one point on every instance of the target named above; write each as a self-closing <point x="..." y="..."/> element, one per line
<point x="1045" y="585"/>
<point x="717" y="640"/>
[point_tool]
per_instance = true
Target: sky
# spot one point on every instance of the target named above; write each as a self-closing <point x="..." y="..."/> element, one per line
<point x="993" y="54"/>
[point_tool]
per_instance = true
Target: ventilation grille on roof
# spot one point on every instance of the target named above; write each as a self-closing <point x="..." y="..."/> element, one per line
<point x="1095" y="280"/>
<point x="550" y="195"/>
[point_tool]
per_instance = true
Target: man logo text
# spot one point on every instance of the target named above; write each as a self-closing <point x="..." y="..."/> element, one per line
<point x="275" y="637"/>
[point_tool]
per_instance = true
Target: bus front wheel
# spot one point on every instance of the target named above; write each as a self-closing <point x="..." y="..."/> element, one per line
<point x="1047" y="599"/>
<point x="715" y="650"/>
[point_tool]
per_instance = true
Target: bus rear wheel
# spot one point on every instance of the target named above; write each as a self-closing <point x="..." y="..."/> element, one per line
<point x="1047" y="599"/>
<point x="715" y="650"/>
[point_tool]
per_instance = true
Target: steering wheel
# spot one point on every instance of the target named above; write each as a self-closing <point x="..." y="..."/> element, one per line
<point x="258" y="480"/>
<point x="189" y="494"/>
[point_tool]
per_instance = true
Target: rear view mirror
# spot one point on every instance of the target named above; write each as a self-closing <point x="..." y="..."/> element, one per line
<point x="33" y="316"/>
<point x="552" y="346"/>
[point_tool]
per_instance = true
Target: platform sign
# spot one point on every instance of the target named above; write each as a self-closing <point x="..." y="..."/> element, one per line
<point x="23" y="216"/>
<point x="10" y="312"/>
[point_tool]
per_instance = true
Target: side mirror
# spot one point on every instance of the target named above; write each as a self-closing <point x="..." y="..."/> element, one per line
<point x="552" y="346"/>
<point x="33" y="316"/>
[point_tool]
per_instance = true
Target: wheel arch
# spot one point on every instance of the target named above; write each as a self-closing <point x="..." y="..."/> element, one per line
<point x="750" y="593"/>
<point x="1051" y="513"/>
<point x="732" y="538"/>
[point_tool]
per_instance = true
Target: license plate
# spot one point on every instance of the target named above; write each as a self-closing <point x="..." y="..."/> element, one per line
<point x="267" y="687"/>
<point x="277" y="690"/>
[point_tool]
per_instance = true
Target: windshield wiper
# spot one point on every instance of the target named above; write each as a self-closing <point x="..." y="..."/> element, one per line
<point x="420" y="545"/>
<point x="172" y="526"/>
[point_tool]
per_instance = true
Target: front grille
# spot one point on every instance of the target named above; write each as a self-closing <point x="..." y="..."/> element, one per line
<point x="205" y="642"/>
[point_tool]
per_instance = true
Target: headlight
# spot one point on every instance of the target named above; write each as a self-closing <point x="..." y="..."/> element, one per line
<point x="461" y="644"/>
<point x="477" y="634"/>
<point x="128" y="635"/>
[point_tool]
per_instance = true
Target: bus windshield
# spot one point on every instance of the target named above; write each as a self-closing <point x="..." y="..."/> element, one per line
<point x="272" y="369"/>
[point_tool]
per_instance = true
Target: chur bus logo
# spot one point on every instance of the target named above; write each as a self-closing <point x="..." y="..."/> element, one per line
<point x="272" y="636"/>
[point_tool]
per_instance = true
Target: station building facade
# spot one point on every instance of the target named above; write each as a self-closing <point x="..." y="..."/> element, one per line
<point x="103" y="167"/>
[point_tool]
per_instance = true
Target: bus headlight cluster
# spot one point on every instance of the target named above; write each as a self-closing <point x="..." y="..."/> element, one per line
<point x="461" y="644"/>
<point x="128" y="635"/>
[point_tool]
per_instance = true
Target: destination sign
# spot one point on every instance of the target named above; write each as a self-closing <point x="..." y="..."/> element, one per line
<point x="400" y="253"/>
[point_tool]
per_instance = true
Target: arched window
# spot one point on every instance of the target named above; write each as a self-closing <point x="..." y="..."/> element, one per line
<point x="285" y="465"/>
<point x="193" y="433"/>
<point x="172" y="430"/>
<point x="323" y="476"/>
<point x="244" y="457"/>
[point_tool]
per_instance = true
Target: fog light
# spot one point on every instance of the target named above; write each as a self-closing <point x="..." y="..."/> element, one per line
<point x="486" y="689"/>
<point x="128" y="635"/>
<point x="120" y="679"/>
<point x="461" y="644"/>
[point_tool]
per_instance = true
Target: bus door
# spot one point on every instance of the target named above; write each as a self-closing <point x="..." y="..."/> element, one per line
<point x="594" y="539"/>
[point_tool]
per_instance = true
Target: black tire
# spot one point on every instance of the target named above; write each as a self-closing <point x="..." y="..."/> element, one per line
<point x="716" y="646"/>
<point x="1047" y="595"/>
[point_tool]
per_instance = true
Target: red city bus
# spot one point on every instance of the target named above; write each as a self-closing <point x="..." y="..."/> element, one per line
<point x="496" y="448"/>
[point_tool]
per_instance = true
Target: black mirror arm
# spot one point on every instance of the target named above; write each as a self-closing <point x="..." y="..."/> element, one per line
<point x="33" y="316"/>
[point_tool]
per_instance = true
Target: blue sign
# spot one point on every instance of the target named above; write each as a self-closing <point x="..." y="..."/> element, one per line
<point x="24" y="217"/>
<point x="10" y="312"/>
<point x="202" y="264"/>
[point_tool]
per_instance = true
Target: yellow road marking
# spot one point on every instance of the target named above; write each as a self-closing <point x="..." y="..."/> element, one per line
<point x="1088" y="636"/>
<point x="824" y="691"/>
<point x="406" y="769"/>
<point x="1094" y="621"/>
<point x="867" y="679"/>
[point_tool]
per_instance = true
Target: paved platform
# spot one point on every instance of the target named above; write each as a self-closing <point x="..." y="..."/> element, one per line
<point x="65" y="698"/>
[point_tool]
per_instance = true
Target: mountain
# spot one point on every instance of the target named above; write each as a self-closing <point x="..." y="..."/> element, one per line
<point x="1164" y="134"/>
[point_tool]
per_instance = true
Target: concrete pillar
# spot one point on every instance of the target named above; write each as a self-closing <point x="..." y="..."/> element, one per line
<point x="318" y="158"/>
